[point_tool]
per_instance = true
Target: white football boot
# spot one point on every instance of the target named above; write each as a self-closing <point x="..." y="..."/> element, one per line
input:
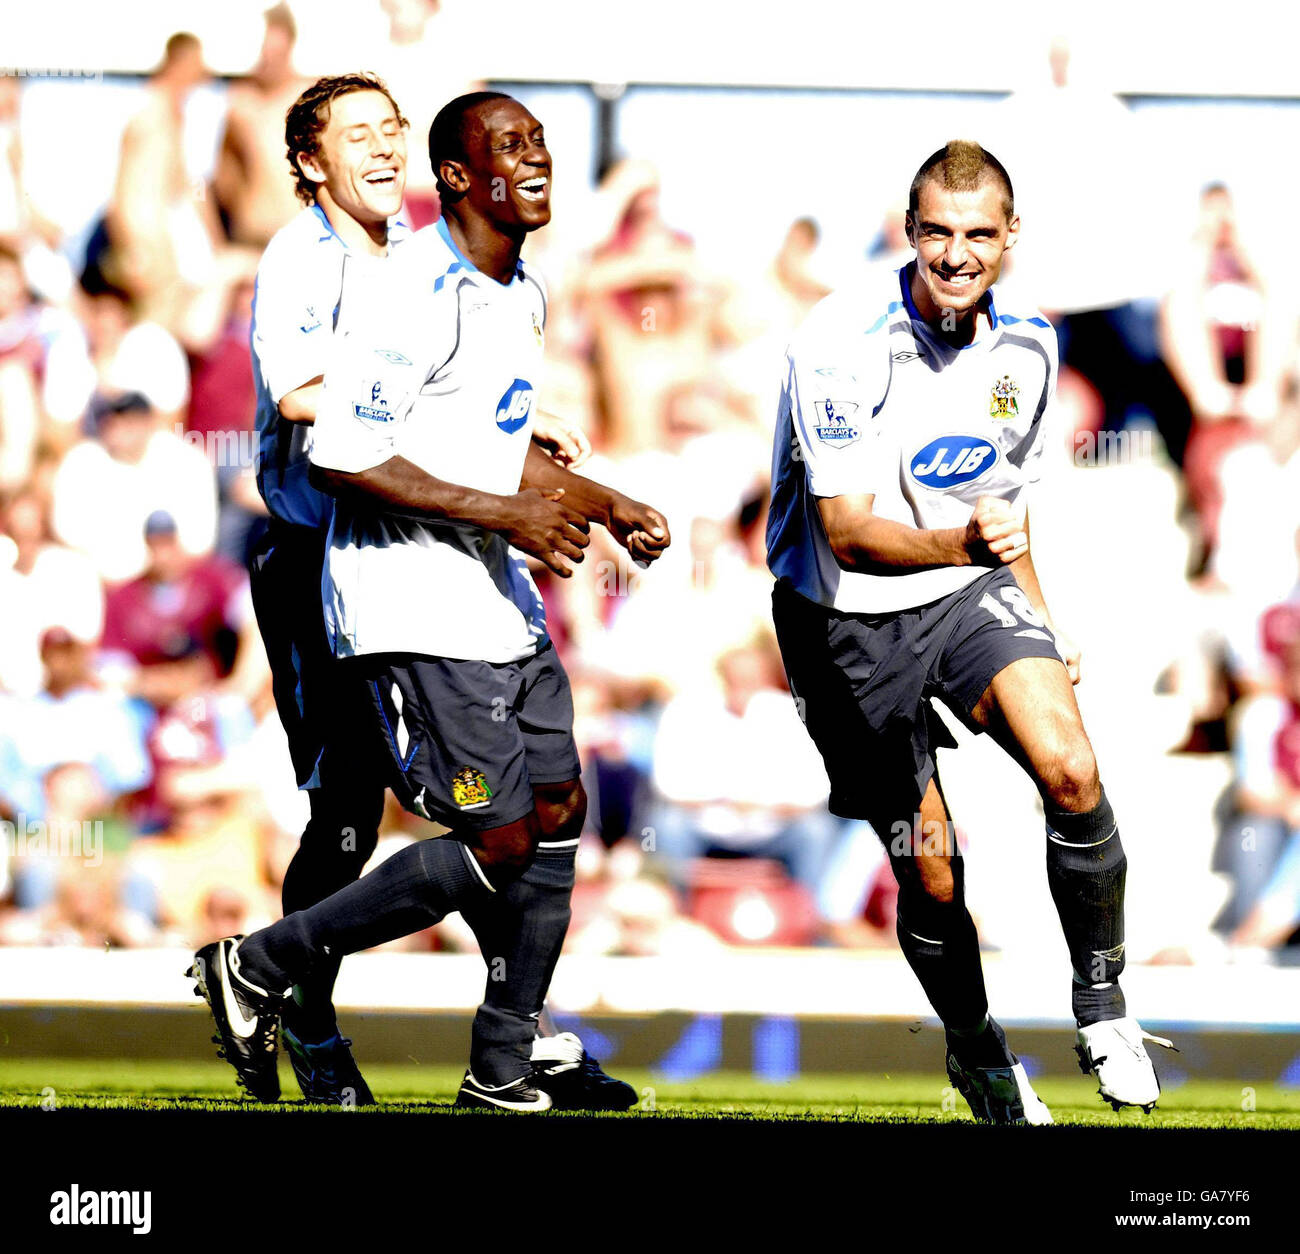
<point x="1112" y="1051"/>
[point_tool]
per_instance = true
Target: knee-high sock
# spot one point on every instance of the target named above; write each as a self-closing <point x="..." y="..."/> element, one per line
<point x="1086" y="867"/>
<point x="520" y="932"/>
<point x="415" y="888"/>
<point x="942" y="947"/>
<point x="335" y="846"/>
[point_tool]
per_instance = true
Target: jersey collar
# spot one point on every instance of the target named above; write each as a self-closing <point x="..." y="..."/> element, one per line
<point x="398" y="228"/>
<point x="465" y="262"/>
<point x="905" y="283"/>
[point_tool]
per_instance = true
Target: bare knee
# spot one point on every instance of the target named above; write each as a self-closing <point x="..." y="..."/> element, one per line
<point x="561" y="809"/>
<point x="931" y="877"/>
<point x="1068" y="775"/>
<point x="505" y="853"/>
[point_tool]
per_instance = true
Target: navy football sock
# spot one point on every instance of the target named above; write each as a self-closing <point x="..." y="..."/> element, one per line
<point x="335" y="846"/>
<point x="1086" y="867"/>
<point x="414" y="889"/>
<point x="942" y="947"/>
<point x="520" y="932"/>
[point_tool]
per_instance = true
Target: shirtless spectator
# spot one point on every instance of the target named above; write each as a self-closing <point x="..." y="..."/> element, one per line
<point x="164" y="231"/>
<point x="649" y="311"/>
<point x="253" y="186"/>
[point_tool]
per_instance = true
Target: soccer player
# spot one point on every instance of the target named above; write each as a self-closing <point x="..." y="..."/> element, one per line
<point x="447" y="687"/>
<point x="346" y="143"/>
<point x="911" y="426"/>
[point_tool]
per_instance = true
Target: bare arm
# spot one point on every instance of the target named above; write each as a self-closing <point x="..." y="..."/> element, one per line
<point x="640" y="529"/>
<point x="865" y="543"/>
<point x="531" y="520"/>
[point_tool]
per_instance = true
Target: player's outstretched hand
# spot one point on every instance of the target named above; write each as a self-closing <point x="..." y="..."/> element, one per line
<point x="641" y="529"/>
<point x="995" y="535"/>
<point x="539" y="523"/>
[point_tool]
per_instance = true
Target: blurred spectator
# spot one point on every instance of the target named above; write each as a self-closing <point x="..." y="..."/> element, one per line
<point x="222" y="413"/>
<point x="71" y="720"/>
<point x="42" y="586"/>
<point x="645" y="296"/>
<point x="21" y="358"/>
<point x="252" y="182"/>
<point x="107" y="486"/>
<point x="739" y="776"/>
<point x="1062" y="140"/>
<point x="1211" y="339"/>
<point x="181" y="625"/>
<point x="1264" y="844"/>
<point x="639" y="918"/>
<point x="216" y="839"/>
<point x="163" y="228"/>
<point x="113" y="353"/>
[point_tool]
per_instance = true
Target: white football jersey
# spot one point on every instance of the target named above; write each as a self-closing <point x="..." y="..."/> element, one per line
<point x="295" y="307"/>
<point x="874" y="402"/>
<point x="437" y="363"/>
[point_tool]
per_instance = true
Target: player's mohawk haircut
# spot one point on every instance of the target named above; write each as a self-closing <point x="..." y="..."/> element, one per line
<point x="961" y="165"/>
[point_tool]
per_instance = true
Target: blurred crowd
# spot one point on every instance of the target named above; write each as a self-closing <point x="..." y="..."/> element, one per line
<point x="144" y="780"/>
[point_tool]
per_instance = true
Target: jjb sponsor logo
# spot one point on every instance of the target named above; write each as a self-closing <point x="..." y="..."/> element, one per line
<point x="833" y="422"/>
<point x="952" y="460"/>
<point x="514" y="408"/>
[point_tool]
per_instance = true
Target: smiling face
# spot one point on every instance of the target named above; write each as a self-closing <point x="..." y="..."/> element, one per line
<point x="506" y="173"/>
<point x="360" y="161"/>
<point x="960" y="239"/>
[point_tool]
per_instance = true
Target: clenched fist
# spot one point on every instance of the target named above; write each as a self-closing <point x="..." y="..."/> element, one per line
<point x="995" y="535"/>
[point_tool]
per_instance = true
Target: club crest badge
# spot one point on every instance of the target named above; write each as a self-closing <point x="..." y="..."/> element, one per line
<point x="469" y="790"/>
<point x="1002" y="399"/>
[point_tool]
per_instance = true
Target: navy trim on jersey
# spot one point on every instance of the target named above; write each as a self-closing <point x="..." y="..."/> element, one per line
<point x="905" y="283"/>
<point x="463" y="262"/>
<point x="1018" y="454"/>
<point x="455" y="347"/>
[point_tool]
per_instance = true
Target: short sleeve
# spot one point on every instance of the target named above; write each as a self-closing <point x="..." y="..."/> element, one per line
<point x="833" y="389"/>
<point x="291" y="335"/>
<point x="375" y="372"/>
<point x="1032" y="466"/>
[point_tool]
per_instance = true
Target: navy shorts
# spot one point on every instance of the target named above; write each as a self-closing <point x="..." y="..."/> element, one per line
<point x="460" y="742"/>
<point x="284" y="579"/>
<point x="863" y="683"/>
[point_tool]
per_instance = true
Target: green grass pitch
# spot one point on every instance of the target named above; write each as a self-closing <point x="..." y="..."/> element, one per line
<point x="155" y="1085"/>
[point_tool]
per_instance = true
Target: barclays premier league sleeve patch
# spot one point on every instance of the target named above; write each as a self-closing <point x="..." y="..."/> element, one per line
<point x="833" y="422"/>
<point x="380" y="407"/>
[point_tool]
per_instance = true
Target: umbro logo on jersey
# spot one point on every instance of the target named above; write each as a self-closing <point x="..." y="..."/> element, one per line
<point x="952" y="460"/>
<point x="396" y="358"/>
<point x="834" y="427"/>
<point x="906" y="354"/>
